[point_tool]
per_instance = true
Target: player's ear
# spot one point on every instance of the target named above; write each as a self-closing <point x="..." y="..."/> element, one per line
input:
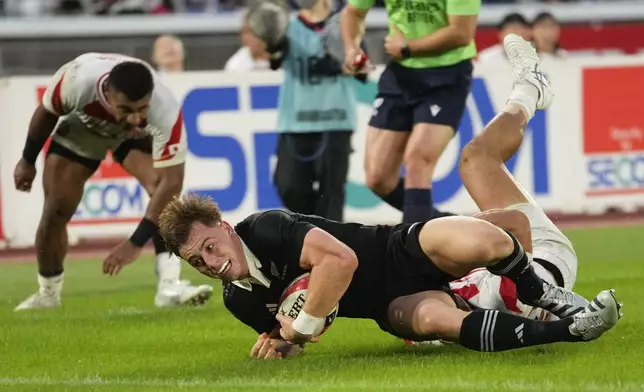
<point x="227" y="227"/>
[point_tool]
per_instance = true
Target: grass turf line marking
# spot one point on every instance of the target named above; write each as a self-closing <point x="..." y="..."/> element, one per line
<point x="329" y="385"/>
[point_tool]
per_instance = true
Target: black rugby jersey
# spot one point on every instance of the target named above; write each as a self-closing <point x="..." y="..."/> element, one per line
<point x="276" y="238"/>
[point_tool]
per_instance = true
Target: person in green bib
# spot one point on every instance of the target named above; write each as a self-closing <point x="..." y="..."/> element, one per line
<point x="421" y="94"/>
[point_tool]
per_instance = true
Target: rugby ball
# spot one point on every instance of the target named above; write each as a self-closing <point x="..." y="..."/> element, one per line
<point x="293" y="298"/>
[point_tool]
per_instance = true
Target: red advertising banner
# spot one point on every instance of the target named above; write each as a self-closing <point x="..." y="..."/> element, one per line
<point x="625" y="37"/>
<point x="613" y="130"/>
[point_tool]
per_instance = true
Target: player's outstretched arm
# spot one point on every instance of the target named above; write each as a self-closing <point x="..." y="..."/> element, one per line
<point x="41" y="126"/>
<point x="170" y="185"/>
<point x="168" y="159"/>
<point x="59" y="99"/>
<point x="332" y="265"/>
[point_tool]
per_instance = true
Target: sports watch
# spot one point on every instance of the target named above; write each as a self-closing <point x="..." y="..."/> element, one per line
<point x="405" y="51"/>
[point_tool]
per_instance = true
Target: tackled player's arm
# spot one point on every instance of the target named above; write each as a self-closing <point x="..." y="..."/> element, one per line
<point x="460" y="31"/>
<point x="514" y="221"/>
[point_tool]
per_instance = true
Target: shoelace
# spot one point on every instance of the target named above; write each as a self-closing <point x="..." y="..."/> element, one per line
<point x="587" y="322"/>
<point x="557" y="295"/>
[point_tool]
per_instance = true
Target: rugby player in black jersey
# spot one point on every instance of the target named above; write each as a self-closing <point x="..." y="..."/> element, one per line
<point x="396" y="275"/>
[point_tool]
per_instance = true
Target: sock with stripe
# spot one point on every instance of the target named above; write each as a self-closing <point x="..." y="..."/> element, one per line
<point x="517" y="266"/>
<point x="491" y="330"/>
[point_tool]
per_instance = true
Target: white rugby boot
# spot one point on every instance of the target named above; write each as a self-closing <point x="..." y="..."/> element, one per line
<point x="39" y="301"/>
<point x="560" y="301"/>
<point x="181" y="293"/>
<point x="47" y="297"/>
<point x="599" y="316"/>
<point x="525" y="62"/>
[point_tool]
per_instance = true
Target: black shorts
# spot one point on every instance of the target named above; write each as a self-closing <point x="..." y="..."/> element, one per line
<point x="119" y="154"/>
<point x="408" y="96"/>
<point x="408" y="271"/>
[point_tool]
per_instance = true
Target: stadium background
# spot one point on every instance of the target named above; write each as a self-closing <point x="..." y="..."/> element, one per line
<point x="584" y="155"/>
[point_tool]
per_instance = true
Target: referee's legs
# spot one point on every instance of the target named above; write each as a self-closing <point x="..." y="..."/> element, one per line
<point x="332" y="171"/>
<point x="294" y="177"/>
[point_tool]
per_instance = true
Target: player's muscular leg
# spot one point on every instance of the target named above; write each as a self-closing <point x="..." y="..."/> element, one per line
<point x="428" y="315"/>
<point x="383" y="159"/>
<point x="139" y="165"/>
<point x="457" y="245"/>
<point x="63" y="182"/>
<point x="482" y="164"/>
<point x="433" y="315"/>
<point x="425" y="146"/>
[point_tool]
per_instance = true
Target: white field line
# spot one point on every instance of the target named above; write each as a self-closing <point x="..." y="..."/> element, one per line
<point x="274" y="384"/>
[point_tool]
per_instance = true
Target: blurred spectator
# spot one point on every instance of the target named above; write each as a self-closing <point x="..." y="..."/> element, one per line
<point x="70" y="7"/>
<point x="252" y="56"/>
<point x="122" y="7"/>
<point x="545" y="36"/>
<point x="168" y="54"/>
<point x="512" y="23"/>
<point x="29" y="7"/>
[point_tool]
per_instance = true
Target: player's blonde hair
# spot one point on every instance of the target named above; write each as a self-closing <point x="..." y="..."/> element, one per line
<point x="178" y="216"/>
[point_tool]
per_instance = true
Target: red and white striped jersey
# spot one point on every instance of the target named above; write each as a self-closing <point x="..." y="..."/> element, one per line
<point x="484" y="290"/>
<point x="78" y="87"/>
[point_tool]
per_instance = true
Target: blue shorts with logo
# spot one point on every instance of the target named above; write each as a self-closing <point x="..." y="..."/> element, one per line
<point x="408" y="96"/>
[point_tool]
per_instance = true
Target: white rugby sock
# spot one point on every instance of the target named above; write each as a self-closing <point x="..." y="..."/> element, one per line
<point x="525" y="95"/>
<point x="51" y="286"/>
<point x="168" y="268"/>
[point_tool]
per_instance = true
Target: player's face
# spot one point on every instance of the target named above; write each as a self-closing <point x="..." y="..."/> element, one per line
<point x="131" y="112"/>
<point x="546" y="32"/>
<point x="216" y="251"/>
<point x="168" y="52"/>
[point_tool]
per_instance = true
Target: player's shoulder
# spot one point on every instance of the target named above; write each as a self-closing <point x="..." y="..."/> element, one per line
<point x="236" y="299"/>
<point x="164" y="106"/>
<point x="268" y="218"/>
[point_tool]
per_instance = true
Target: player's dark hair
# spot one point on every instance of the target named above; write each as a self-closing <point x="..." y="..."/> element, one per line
<point x="133" y="79"/>
<point x="544" y="16"/>
<point x="511" y="18"/>
<point x="177" y="218"/>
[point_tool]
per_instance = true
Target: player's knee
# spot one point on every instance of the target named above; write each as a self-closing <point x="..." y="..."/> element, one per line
<point x="470" y="153"/>
<point x="417" y="162"/>
<point x="379" y="181"/>
<point x="56" y="214"/>
<point x="151" y="184"/>
<point x="494" y="245"/>
<point x="430" y="320"/>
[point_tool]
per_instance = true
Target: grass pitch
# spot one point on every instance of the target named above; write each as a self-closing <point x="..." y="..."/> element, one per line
<point x="109" y="337"/>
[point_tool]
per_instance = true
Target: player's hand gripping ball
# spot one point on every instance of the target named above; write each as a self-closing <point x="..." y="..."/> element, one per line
<point x="293" y="298"/>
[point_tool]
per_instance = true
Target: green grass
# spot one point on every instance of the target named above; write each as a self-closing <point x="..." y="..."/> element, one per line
<point x="109" y="337"/>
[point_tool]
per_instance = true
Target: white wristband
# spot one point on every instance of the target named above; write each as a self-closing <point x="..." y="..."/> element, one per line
<point x="306" y="324"/>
